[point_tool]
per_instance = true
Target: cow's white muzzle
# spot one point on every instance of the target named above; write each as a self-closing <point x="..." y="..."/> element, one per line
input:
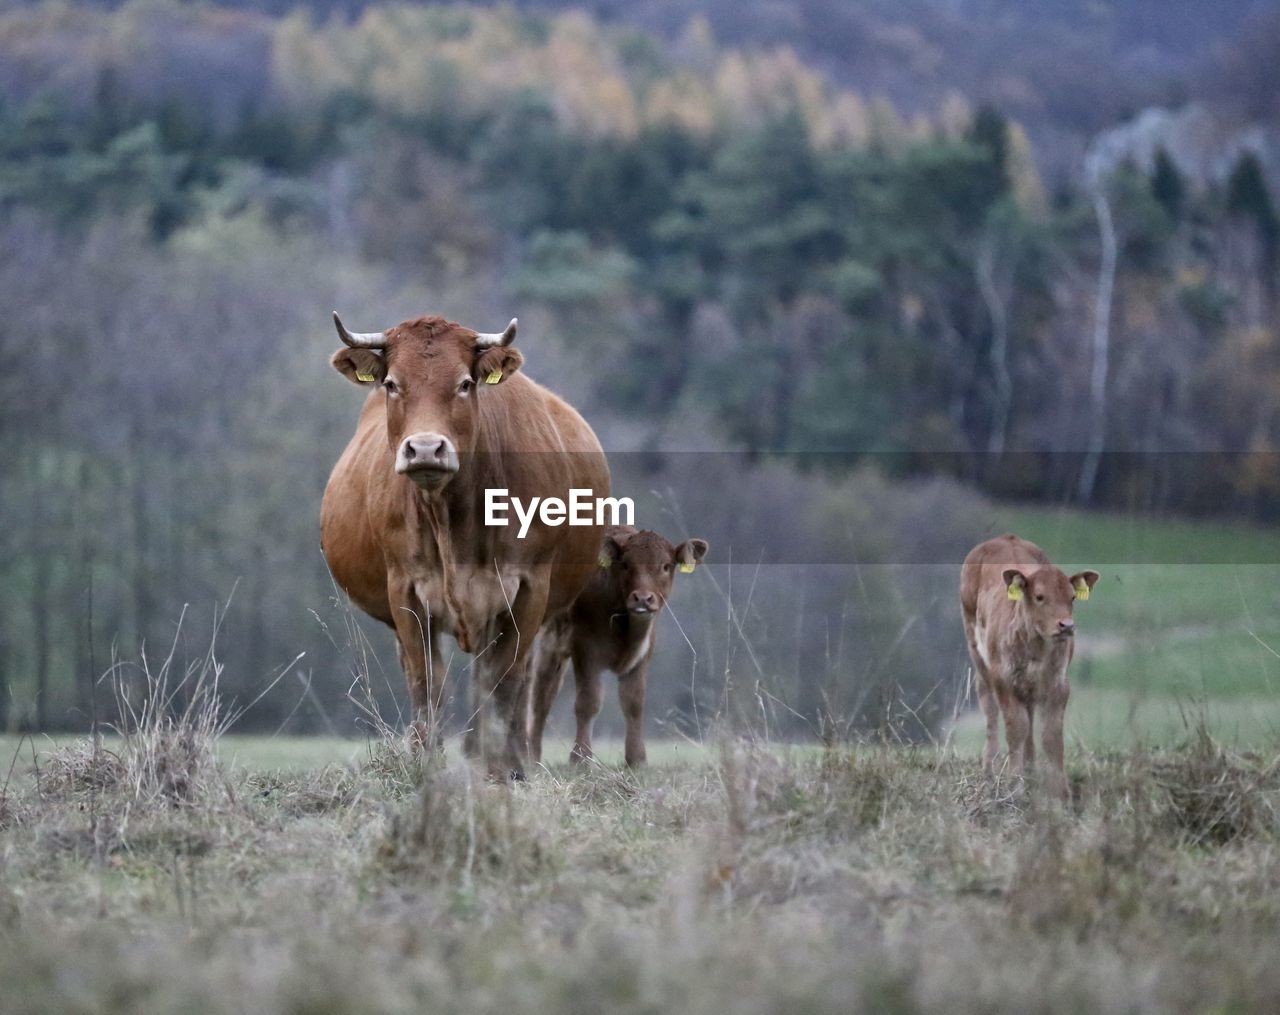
<point x="427" y="458"/>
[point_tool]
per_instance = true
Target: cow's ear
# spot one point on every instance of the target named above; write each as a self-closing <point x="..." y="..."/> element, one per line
<point x="493" y="366"/>
<point x="1016" y="582"/>
<point x="1083" y="582"/>
<point x="360" y="366"/>
<point x="689" y="554"/>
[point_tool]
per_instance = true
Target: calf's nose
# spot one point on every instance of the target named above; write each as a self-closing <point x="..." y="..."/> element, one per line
<point x="1067" y="626"/>
<point x="642" y="601"/>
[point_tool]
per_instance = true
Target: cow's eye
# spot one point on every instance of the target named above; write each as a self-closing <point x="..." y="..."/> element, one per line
<point x="465" y="387"/>
<point x="666" y="567"/>
<point x="392" y="388"/>
<point x="1039" y="599"/>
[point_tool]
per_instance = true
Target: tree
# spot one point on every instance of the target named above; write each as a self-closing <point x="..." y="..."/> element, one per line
<point x="1167" y="184"/>
<point x="1249" y="198"/>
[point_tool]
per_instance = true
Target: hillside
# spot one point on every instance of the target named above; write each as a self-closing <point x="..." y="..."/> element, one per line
<point x="867" y="315"/>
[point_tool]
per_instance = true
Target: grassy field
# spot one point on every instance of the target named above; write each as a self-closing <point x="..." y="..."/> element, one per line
<point x="175" y="870"/>
<point x="735" y="877"/>
<point x="299" y="754"/>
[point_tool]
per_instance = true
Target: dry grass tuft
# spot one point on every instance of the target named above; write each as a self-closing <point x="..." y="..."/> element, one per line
<point x="169" y="722"/>
<point x="324" y="791"/>
<point x="84" y="766"/>
<point x="597" y="785"/>
<point x="398" y="768"/>
<point x="1215" y="797"/>
<point x="460" y="826"/>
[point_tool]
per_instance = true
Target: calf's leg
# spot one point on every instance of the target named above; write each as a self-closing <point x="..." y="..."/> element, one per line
<point x="991" y="713"/>
<point x="548" y="676"/>
<point x="1017" y="731"/>
<point x="1030" y="759"/>
<point x="1051" y="739"/>
<point x="631" y="698"/>
<point x="586" y="705"/>
<point x="986" y="700"/>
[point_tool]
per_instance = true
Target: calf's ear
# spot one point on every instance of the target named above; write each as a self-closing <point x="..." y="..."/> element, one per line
<point x="495" y="365"/>
<point x="1083" y="582"/>
<point x="689" y="554"/>
<point x="1016" y="582"/>
<point x="610" y="550"/>
<point x="360" y="366"/>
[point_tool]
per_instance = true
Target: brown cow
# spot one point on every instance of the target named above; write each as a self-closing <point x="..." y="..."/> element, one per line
<point x="402" y="524"/>
<point x="1018" y="625"/>
<point x="611" y="627"/>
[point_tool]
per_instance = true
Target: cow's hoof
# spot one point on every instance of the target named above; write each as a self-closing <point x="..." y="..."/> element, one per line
<point x="504" y="768"/>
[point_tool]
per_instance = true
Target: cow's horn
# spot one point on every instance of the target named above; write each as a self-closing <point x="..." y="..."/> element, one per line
<point x="485" y="341"/>
<point x="359" y="340"/>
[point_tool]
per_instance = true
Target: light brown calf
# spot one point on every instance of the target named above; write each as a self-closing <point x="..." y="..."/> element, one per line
<point x="610" y="627"/>
<point x="1018" y="625"/>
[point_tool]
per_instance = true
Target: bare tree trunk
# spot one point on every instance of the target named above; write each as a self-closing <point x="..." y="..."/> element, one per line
<point x="4" y="680"/>
<point x="985" y="270"/>
<point x="1101" y="345"/>
<point x="84" y="595"/>
<point x="41" y="551"/>
<point x="41" y="606"/>
<point x="10" y="563"/>
<point x="141" y="572"/>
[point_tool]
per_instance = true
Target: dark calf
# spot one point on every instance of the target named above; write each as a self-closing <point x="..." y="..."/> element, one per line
<point x="611" y="626"/>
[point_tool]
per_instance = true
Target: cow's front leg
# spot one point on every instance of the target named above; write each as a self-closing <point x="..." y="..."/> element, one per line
<point x="424" y="672"/>
<point x="631" y="698"/>
<point x="502" y="679"/>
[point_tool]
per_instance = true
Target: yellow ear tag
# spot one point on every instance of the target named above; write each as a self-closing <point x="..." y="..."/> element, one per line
<point x="685" y="568"/>
<point x="605" y="560"/>
<point x="1015" y="592"/>
<point x="1082" y="589"/>
<point x="494" y="377"/>
<point x="364" y="377"/>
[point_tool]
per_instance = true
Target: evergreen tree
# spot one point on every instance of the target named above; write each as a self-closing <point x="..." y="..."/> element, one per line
<point x="1167" y="184"/>
<point x="1249" y="198"/>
